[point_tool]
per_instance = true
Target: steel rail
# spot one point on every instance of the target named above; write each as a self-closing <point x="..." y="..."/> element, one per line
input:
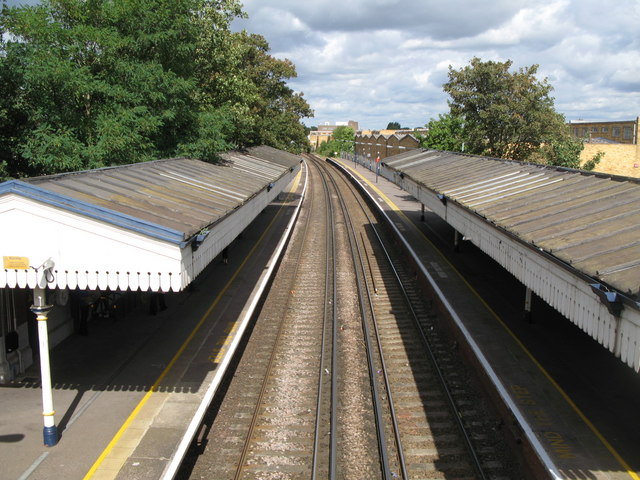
<point x="425" y="340"/>
<point x="375" y="397"/>
<point x="245" y="448"/>
<point x="392" y="410"/>
<point x="385" y="374"/>
<point x="329" y="294"/>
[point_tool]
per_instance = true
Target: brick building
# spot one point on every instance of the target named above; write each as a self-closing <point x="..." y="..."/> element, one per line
<point x="373" y="145"/>
<point x="625" y="131"/>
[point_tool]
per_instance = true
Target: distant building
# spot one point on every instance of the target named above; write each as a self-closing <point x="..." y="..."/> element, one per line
<point x="422" y="131"/>
<point x="324" y="132"/>
<point x="327" y="127"/>
<point x="625" y="131"/>
<point x="376" y="144"/>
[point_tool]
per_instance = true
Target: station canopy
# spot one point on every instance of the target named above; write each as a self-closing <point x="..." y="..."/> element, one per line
<point x="147" y="226"/>
<point x="589" y="221"/>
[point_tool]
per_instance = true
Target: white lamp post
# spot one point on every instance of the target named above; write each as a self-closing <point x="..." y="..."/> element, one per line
<point x="41" y="309"/>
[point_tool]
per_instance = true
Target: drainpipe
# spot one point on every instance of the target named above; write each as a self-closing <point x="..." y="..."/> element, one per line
<point x="41" y="309"/>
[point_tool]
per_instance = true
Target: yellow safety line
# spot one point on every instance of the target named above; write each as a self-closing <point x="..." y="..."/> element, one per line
<point x="582" y="416"/>
<point x="178" y="354"/>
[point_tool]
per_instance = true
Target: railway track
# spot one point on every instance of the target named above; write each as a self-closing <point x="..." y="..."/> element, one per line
<point x="345" y="375"/>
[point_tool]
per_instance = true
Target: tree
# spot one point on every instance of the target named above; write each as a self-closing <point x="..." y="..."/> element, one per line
<point x="251" y="85"/>
<point x="342" y="140"/>
<point x="11" y="118"/>
<point x="98" y="83"/>
<point x="394" y="126"/>
<point x="329" y="148"/>
<point x="275" y="109"/>
<point x="445" y="133"/>
<point x="346" y="136"/>
<point x="89" y="83"/>
<point x="506" y="115"/>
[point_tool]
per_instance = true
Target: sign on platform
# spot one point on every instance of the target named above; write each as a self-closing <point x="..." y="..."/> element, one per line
<point x="16" y="263"/>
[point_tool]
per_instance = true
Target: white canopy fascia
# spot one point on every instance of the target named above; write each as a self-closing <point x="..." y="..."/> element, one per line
<point x="87" y="253"/>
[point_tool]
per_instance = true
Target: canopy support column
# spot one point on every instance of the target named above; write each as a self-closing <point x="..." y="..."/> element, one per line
<point x="527" y="305"/>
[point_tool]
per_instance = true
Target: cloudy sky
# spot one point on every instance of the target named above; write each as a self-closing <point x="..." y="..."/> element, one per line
<point x="378" y="61"/>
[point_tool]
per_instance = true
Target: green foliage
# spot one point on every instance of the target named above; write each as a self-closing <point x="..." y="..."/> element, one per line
<point x="235" y="71"/>
<point x="565" y="152"/>
<point x="593" y="162"/>
<point x="329" y="148"/>
<point x="346" y="135"/>
<point x="445" y="133"/>
<point x="214" y="127"/>
<point x="393" y="126"/>
<point x="124" y="136"/>
<point x="342" y="140"/>
<point x="89" y="83"/>
<point x="506" y="115"/>
<point x="561" y="152"/>
<point x="52" y="149"/>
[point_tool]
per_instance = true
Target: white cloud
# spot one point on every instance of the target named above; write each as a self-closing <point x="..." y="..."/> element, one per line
<point x="536" y="25"/>
<point x="386" y="60"/>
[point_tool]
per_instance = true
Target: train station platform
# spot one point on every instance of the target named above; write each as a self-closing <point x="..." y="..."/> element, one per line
<point x="126" y="393"/>
<point x="545" y="420"/>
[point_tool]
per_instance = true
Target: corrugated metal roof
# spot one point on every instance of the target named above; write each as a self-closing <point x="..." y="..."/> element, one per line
<point x="589" y="221"/>
<point x="172" y="199"/>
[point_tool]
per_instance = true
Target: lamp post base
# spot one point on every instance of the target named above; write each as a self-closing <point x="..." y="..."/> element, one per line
<point x="50" y="435"/>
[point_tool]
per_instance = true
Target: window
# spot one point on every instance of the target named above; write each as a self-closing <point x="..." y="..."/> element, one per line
<point x="627" y="133"/>
<point x="594" y="129"/>
<point x="616" y="131"/>
<point x="576" y="132"/>
<point x="605" y="129"/>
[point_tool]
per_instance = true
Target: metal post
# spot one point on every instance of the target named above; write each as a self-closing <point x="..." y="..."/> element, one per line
<point x="41" y="309"/>
<point x="422" y="215"/>
<point x="527" y="305"/>
<point x="456" y="241"/>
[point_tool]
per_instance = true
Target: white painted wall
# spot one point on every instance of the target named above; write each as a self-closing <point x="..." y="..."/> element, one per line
<point x="88" y="254"/>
